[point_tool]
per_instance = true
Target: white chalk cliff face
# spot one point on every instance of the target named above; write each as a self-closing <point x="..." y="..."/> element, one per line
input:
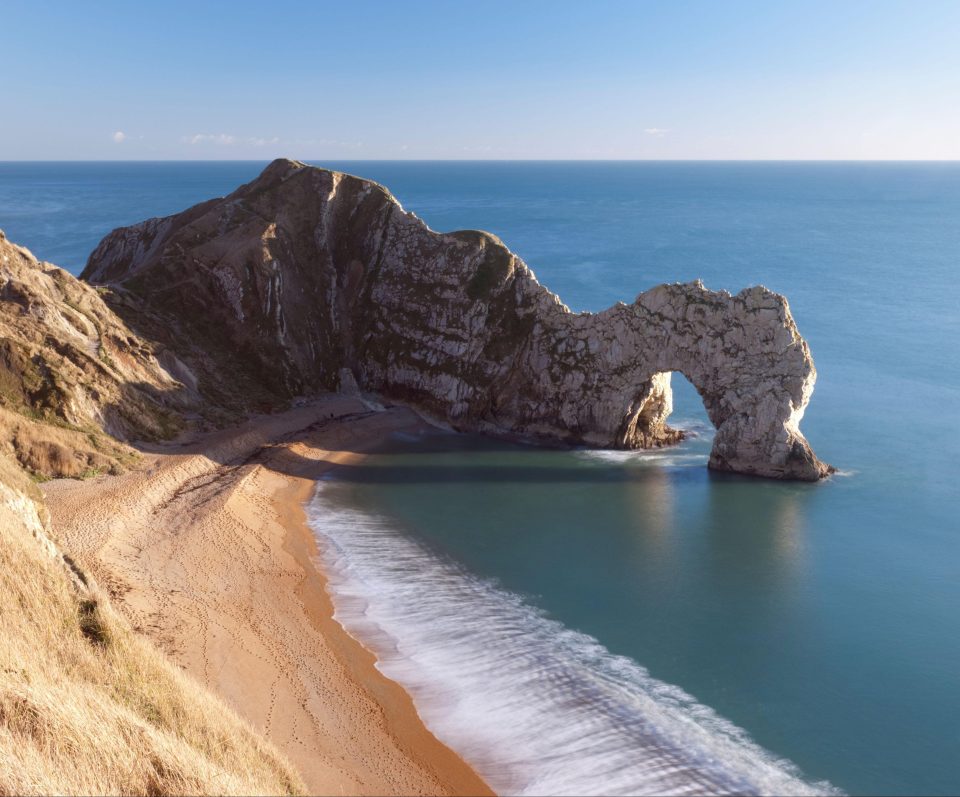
<point x="306" y="279"/>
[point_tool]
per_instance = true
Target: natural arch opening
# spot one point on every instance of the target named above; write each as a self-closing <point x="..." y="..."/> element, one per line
<point x="666" y="410"/>
<point x="670" y="407"/>
<point x="689" y="412"/>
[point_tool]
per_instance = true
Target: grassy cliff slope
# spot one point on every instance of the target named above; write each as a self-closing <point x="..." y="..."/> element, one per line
<point x="87" y="706"/>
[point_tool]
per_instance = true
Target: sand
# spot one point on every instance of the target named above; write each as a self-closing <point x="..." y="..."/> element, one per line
<point x="205" y="548"/>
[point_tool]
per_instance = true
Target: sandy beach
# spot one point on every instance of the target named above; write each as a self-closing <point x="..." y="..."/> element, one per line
<point x="204" y="546"/>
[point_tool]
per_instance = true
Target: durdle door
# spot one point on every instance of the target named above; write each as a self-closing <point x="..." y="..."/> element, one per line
<point x="274" y="290"/>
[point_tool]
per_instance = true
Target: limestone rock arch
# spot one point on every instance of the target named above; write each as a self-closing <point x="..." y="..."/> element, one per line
<point x="608" y="382"/>
<point x="305" y="275"/>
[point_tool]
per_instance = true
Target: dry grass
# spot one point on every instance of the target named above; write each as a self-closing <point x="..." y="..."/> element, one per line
<point x="51" y="451"/>
<point x="89" y="707"/>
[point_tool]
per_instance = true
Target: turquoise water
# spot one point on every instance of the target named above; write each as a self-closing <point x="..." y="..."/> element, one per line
<point x="821" y="620"/>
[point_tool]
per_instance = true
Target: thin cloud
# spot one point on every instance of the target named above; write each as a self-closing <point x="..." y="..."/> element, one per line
<point x="229" y="140"/>
<point x="658" y="132"/>
<point x="232" y="140"/>
<point x="327" y="142"/>
<point x="119" y="137"/>
<point x="211" y="138"/>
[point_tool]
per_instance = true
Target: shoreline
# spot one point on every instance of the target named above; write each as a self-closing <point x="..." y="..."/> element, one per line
<point x="400" y="712"/>
<point x="205" y="547"/>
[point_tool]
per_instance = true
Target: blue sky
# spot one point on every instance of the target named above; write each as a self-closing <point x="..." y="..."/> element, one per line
<point x="525" y="79"/>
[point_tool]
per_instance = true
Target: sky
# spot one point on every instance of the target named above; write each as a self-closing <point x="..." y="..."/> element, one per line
<point x="358" y="79"/>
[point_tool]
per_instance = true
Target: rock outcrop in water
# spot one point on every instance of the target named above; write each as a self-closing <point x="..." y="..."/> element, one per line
<point x="306" y="280"/>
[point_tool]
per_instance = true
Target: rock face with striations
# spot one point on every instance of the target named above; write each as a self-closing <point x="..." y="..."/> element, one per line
<point x="72" y="370"/>
<point x="307" y="279"/>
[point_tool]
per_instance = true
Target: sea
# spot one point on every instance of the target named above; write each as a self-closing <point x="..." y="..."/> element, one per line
<point x="594" y="622"/>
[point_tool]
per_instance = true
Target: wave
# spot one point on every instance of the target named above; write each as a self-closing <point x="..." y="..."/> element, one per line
<point x="662" y="457"/>
<point x="533" y="706"/>
<point x="844" y="474"/>
<point x="695" y="451"/>
<point x="694" y="426"/>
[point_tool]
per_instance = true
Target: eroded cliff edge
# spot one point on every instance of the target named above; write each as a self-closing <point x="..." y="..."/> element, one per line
<point x="307" y="279"/>
<point x="75" y="380"/>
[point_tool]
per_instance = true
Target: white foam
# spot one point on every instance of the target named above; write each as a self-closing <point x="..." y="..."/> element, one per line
<point x="533" y="706"/>
<point x="694" y="426"/>
<point x="844" y="474"/>
<point x="695" y="452"/>
<point x="663" y="457"/>
<point x="372" y="405"/>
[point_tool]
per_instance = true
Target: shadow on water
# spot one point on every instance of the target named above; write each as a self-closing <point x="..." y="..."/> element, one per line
<point x="499" y="473"/>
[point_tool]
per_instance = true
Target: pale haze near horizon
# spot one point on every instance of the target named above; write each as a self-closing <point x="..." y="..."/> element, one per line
<point x="443" y="80"/>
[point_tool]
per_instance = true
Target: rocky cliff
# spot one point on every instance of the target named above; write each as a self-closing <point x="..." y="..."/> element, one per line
<point x="306" y="280"/>
<point x="75" y="381"/>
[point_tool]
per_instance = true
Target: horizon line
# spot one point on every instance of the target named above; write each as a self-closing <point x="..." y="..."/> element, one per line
<point x="483" y="160"/>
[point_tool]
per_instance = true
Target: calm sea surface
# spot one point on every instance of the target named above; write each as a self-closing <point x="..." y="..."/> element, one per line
<point x="563" y="617"/>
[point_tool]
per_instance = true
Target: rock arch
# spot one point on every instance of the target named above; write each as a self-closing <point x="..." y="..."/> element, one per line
<point x="304" y="275"/>
<point x="607" y="381"/>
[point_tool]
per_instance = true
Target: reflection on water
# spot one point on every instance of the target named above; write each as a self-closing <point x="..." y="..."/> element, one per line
<point x="651" y="506"/>
<point x="760" y="523"/>
<point x="788" y="529"/>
